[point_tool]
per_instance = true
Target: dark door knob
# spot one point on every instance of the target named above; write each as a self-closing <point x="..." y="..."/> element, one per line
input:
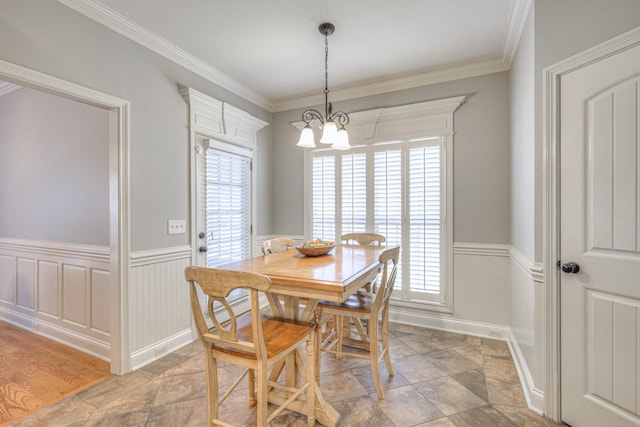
<point x="570" y="267"/>
<point x="202" y="249"/>
<point x="201" y="235"/>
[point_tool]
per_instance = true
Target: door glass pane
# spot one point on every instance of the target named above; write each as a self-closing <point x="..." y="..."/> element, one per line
<point x="228" y="207"/>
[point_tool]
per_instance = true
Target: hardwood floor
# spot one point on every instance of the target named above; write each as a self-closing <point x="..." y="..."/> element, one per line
<point x="36" y="372"/>
<point x="441" y="380"/>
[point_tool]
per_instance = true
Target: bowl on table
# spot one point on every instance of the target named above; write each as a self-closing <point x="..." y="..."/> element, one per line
<point x="315" y="248"/>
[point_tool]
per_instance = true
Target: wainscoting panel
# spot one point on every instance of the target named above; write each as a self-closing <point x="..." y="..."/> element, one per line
<point x="160" y="309"/>
<point x="7" y="279"/>
<point x="58" y="290"/>
<point x="27" y="283"/>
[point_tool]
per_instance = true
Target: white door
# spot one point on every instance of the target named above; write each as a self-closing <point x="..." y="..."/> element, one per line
<point x="600" y="232"/>
<point x="224" y="230"/>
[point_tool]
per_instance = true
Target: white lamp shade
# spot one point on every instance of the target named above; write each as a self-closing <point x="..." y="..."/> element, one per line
<point x="342" y="141"/>
<point x="329" y="133"/>
<point x="306" y="138"/>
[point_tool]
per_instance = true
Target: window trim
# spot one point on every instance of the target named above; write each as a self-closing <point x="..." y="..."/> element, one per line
<point x="410" y="122"/>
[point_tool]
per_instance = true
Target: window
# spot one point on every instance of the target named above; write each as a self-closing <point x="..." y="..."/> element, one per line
<point x="394" y="189"/>
<point x="227" y="203"/>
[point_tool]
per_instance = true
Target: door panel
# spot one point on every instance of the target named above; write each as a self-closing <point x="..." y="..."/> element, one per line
<point x="600" y="231"/>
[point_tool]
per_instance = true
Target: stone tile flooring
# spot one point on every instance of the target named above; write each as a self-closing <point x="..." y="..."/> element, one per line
<point x="441" y="380"/>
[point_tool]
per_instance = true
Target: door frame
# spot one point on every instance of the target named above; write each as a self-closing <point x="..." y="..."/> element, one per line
<point x="551" y="81"/>
<point x="119" y="190"/>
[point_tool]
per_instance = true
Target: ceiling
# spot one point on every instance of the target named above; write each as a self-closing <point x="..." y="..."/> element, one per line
<point x="270" y="52"/>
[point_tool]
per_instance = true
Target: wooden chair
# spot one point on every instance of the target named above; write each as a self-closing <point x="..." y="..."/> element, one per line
<point x="370" y="307"/>
<point x="253" y="341"/>
<point x="276" y="245"/>
<point x="360" y="239"/>
<point x="363" y="238"/>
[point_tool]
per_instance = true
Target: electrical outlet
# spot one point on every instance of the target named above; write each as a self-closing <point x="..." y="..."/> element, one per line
<point x="176" y="226"/>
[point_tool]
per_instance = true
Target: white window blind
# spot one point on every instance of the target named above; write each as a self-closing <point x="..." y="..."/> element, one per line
<point x="323" y="205"/>
<point x="228" y="206"/>
<point x="392" y="189"/>
<point x="354" y="193"/>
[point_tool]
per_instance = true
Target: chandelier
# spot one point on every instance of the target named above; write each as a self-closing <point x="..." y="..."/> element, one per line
<point x="330" y="121"/>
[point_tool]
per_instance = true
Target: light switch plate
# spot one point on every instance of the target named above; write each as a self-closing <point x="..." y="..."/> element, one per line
<point x="176" y="226"/>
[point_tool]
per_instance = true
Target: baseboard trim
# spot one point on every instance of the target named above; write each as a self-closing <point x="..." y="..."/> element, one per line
<point x="160" y="349"/>
<point x="85" y="344"/>
<point x="533" y="396"/>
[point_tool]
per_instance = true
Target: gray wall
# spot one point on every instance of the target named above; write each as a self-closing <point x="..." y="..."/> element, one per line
<point x="563" y="29"/>
<point x="49" y="37"/>
<point x="54" y="169"/>
<point x="481" y="157"/>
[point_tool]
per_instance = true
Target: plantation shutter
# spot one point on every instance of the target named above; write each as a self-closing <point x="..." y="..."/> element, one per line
<point x="323" y="203"/>
<point x="393" y="189"/>
<point x="228" y="206"/>
<point x="425" y="219"/>
<point x="354" y="193"/>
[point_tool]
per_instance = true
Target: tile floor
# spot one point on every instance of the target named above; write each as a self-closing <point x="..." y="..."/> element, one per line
<point x="441" y="380"/>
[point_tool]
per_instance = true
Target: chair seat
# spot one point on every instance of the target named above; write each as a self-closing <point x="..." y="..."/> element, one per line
<point x="361" y="302"/>
<point x="279" y="335"/>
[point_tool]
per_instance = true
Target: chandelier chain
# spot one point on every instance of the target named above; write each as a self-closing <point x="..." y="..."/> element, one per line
<point x="326" y="75"/>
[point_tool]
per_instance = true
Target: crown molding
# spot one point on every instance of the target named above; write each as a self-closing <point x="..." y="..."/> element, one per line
<point x="399" y="83"/>
<point x="111" y="19"/>
<point x="517" y="20"/>
<point x="6" y="88"/>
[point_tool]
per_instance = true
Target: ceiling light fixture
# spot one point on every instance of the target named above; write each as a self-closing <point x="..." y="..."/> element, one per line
<point x="330" y="121"/>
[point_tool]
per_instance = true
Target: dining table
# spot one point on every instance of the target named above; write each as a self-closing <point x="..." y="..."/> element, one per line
<point x="297" y="283"/>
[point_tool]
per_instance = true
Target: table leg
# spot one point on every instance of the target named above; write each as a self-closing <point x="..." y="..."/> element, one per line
<point x="294" y="365"/>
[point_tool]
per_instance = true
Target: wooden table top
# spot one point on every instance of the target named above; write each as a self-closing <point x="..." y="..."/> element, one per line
<point x="332" y="277"/>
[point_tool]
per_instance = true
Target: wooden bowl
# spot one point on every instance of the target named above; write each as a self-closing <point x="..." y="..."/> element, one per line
<point x="317" y="251"/>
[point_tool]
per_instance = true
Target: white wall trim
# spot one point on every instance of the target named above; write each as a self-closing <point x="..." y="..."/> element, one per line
<point x="119" y="190"/>
<point x="402" y="315"/>
<point x="6" y="88"/>
<point x="533" y="395"/>
<point x="481" y="249"/>
<point x="518" y="19"/>
<point x="155" y="256"/>
<point x="551" y="201"/>
<point x="414" y="317"/>
<point x="111" y="19"/>
<point x="533" y="269"/>
<point x="159" y="349"/>
<point x="80" y="342"/>
<point x="58" y="249"/>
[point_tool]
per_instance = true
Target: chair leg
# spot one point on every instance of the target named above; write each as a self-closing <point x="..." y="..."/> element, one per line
<point x="262" y="391"/>
<point x="252" y="388"/>
<point x="385" y="342"/>
<point x="339" y="325"/>
<point x="311" y="377"/>
<point x="318" y="351"/>
<point x="373" y="353"/>
<point x="212" y="387"/>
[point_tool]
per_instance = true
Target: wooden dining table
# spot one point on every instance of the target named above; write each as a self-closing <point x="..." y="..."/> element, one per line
<point x="332" y="277"/>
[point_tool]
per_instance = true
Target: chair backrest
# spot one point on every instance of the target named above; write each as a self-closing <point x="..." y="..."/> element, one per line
<point x="389" y="260"/>
<point x="363" y="238"/>
<point x="217" y="284"/>
<point x="276" y="245"/>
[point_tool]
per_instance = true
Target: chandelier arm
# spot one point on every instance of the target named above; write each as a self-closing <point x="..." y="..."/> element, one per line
<point x="309" y="115"/>
<point x="340" y="117"/>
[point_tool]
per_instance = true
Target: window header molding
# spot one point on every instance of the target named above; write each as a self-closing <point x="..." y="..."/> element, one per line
<point x="419" y="120"/>
<point x="217" y="119"/>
